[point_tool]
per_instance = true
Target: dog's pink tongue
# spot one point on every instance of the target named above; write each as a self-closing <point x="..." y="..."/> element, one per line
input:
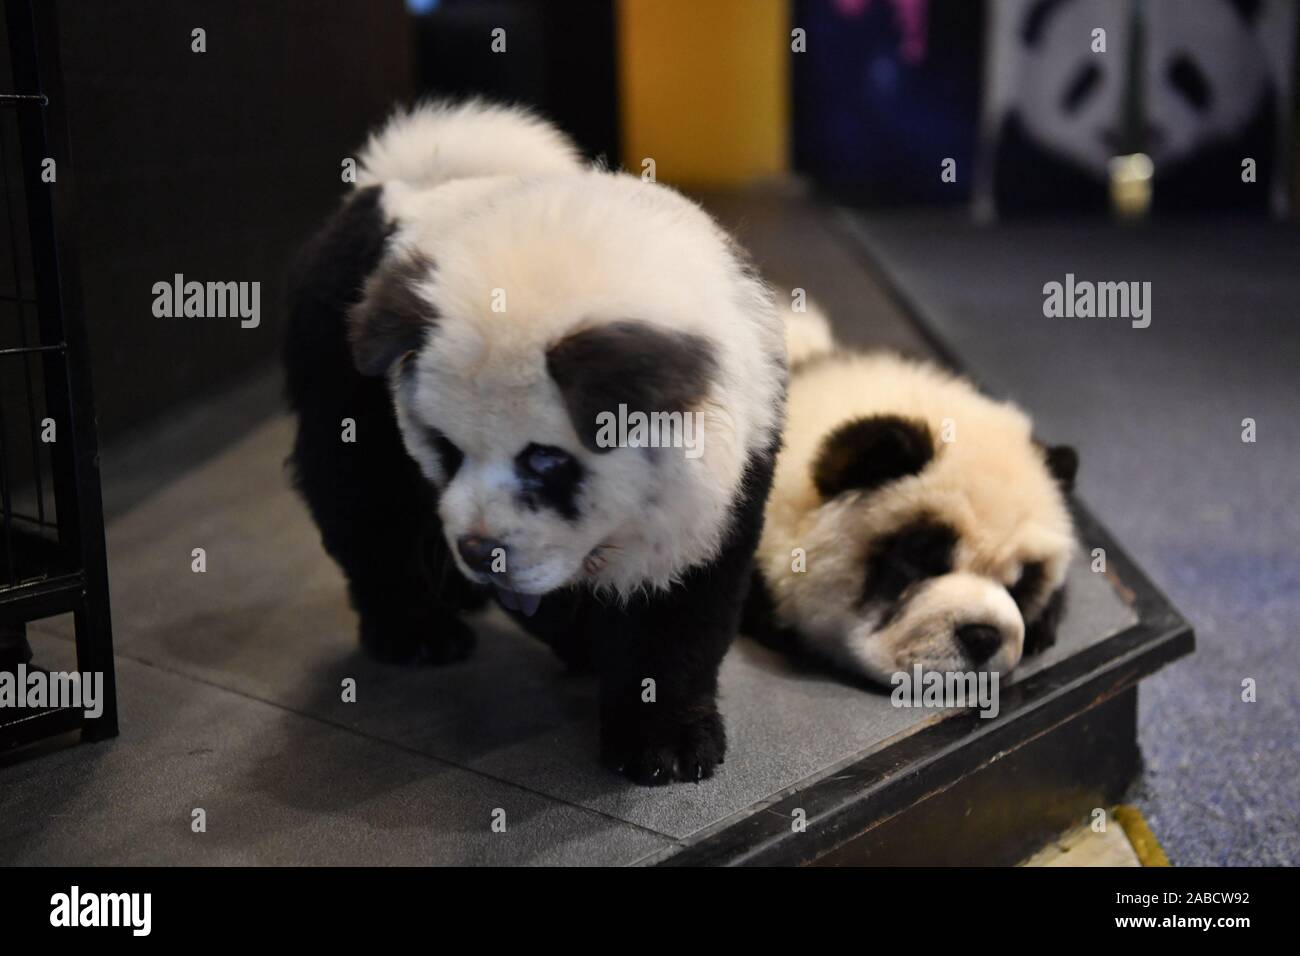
<point x="525" y="604"/>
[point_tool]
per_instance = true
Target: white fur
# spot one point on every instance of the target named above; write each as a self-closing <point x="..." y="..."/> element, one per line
<point x="438" y="142"/>
<point x="991" y="484"/>
<point x="807" y="334"/>
<point x="923" y="632"/>
<point x="571" y="250"/>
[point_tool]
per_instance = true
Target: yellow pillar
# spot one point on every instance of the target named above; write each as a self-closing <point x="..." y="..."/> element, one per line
<point x="704" y="88"/>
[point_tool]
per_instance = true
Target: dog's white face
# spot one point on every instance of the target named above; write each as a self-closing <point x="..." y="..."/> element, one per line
<point x="914" y="588"/>
<point x="918" y="551"/>
<point x="511" y="475"/>
<point x="512" y="316"/>
<point x="517" y="481"/>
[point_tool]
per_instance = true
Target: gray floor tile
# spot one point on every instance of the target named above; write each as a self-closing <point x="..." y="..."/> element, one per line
<point x="277" y="788"/>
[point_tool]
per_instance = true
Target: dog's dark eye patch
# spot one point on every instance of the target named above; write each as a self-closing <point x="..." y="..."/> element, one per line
<point x="549" y="477"/>
<point x="1029" y="585"/>
<point x="448" y="453"/>
<point x="920" y="550"/>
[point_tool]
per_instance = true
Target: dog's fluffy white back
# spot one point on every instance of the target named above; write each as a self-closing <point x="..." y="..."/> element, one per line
<point x="437" y="142"/>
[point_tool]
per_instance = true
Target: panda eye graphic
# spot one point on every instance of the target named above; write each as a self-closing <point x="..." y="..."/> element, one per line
<point x="1078" y="90"/>
<point x="542" y="461"/>
<point x="1188" y="79"/>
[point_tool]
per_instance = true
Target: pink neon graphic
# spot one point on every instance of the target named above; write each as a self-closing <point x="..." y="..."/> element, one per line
<point x="911" y="17"/>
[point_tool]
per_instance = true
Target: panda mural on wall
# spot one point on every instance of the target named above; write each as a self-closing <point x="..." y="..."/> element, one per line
<point x="1215" y="78"/>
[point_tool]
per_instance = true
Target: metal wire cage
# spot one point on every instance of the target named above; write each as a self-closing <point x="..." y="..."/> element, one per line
<point x="52" y="558"/>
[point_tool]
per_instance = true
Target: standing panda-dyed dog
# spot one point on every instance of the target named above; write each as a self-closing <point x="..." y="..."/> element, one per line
<point x="475" y="306"/>
<point x="912" y="520"/>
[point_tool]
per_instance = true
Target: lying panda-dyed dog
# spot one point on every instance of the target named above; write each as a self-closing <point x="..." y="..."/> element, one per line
<point x="476" y="307"/>
<point x="912" y="520"/>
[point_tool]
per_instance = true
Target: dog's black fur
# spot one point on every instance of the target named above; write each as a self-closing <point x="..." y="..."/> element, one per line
<point x="375" y="511"/>
<point x="632" y="364"/>
<point x="378" y="519"/>
<point x="866" y="453"/>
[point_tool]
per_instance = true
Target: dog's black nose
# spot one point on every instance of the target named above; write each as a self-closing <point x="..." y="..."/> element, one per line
<point x="980" y="641"/>
<point x="482" y="554"/>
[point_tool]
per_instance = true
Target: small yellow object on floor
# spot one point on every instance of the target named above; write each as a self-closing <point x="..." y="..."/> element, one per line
<point x="1144" y="842"/>
<point x="1126" y="841"/>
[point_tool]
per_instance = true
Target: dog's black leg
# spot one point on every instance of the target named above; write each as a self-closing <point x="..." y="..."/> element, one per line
<point x="376" y="513"/>
<point x="659" y="658"/>
<point x="659" y="717"/>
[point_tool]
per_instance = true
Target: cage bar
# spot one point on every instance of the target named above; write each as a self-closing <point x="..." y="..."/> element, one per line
<point x="52" y="556"/>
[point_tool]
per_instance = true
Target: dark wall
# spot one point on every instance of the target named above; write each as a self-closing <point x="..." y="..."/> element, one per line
<point x="215" y="165"/>
<point x="560" y="58"/>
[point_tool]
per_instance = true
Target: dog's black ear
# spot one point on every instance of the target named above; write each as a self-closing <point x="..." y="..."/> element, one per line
<point x="1063" y="463"/>
<point x="391" y="319"/>
<point x="866" y="453"/>
<point x="634" y="364"/>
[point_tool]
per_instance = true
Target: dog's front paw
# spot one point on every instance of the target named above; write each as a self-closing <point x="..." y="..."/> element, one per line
<point x="417" y="637"/>
<point x="653" y="748"/>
